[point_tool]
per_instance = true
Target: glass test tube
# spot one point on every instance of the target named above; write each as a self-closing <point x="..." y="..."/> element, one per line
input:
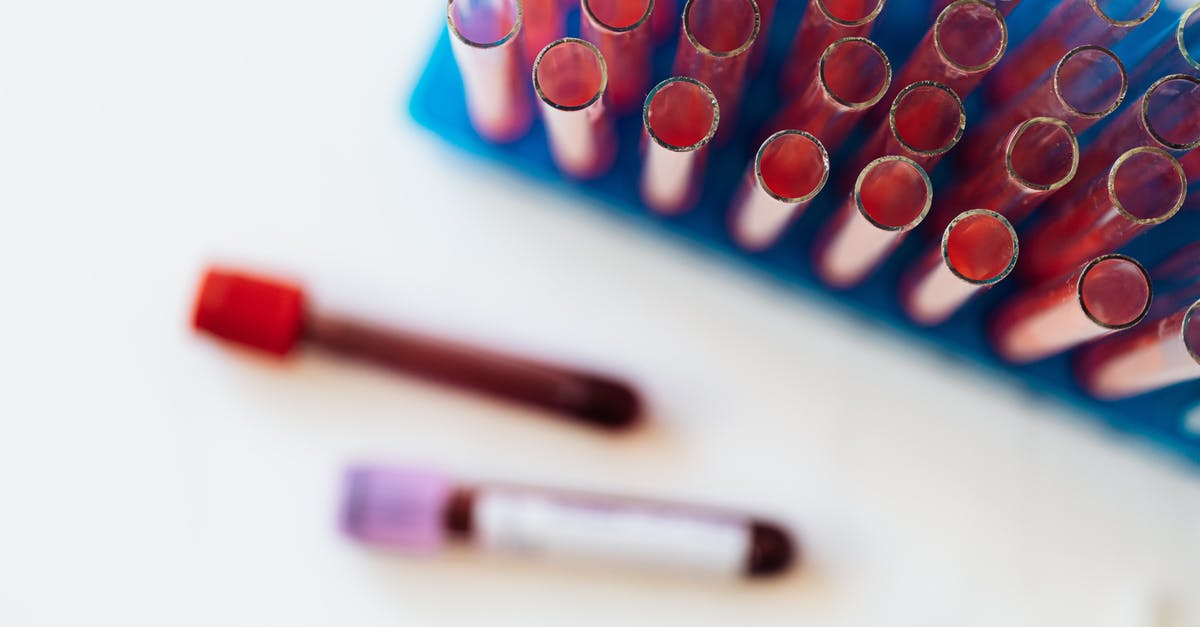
<point x="891" y="197"/>
<point x="622" y="31"/>
<point x="1085" y="86"/>
<point x="1143" y="188"/>
<point x="570" y="78"/>
<point x="1072" y="23"/>
<point x="979" y="249"/>
<point x="824" y="22"/>
<point x="853" y="76"/>
<point x="486" y="41"/>
<point x="715" y="48"/>
<point x="1108" y="294"/>
<point x="1005" y="6"/>
<point x="1174" y="51"/>
<point x="788" y="171"/>
<point x="545" y="21"/>
<point x="664" y="21"/>
<point x="1153" y="356"/>
<point x="680" y="117"/>
<point x="925" y="122"/>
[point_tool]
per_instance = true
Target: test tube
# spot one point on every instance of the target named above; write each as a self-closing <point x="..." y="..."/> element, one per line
<point x="1143" y="188"/>
<point x="1072" y="23"/>
<point x="925" y="122"/>
<point x="486" y="41"/>
<point x="664" y="21"/>
<point x="967" y="40"/>
<point x="622" y="31"/>
<point x="419" y="511"/>
<point x="1085" y="86"/>
<point x="274" y="317"/>
<point x="1108" y="294"/>
<point x="715" y="48"/>
<point x="788" y="171"/>
<point x="680" y="118"/>
<point x="979" y="249"/>
<point x="1151" y="357"/>
<point x="1005" y="6"/>
<point x="891" y="197"/>
<point x="824" y="22"/>
<point x="853" y="75"/>
<point x="544" y="22"/>
<point x="570" y="78"/>
<point x="1174" y="51"/>
<point x="1040" y="156"/>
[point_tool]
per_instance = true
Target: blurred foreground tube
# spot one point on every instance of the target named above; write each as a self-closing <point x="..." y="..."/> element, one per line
<point x="1151" y="357"/>
<point x="486" y="40"/>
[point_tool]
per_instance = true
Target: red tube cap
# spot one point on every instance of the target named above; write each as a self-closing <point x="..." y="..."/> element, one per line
<point x="261" y="313"/>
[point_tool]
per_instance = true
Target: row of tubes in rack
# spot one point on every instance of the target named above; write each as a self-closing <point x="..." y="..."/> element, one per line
<point x="1022" y="159"/>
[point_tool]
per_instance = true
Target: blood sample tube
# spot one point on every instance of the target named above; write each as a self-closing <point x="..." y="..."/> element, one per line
<point x="680" y="118"/>
<point x="1175" y="50"/>
<point x="718" y="36"/>
<point x="1143" y="188"/>
<point x="1153" y="356"/>
<point x="1108" y="294"/>
<point x="1085" y="86"/>
<point x="1039" y="157"/>
<point x="1072" y="23"/>
<point x="545" y="22"/>
<point x="824" y="22"/>
<point x="891" y="197"/>
<point x="416" y="510"/>
<point x="979" y="249"/>
<point x="789" y="170"/>
<point x="273" y="316"/>
<point x="486" y="40"/>
<point x="621" y="29"/>
<point x="853" y="76"/>
<point x="1005" y="6"/>
<point x="570" y="78"/>
<point x="925" y="121"/>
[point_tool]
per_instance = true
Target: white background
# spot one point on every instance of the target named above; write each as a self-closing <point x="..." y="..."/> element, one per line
<point x="151" y="477"/>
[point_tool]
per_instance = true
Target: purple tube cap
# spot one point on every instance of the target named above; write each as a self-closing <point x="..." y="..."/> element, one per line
<point x="401" y="508"/>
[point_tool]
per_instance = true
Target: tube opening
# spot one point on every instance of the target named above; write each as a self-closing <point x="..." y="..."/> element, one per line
<point x="1171" y="111"/>
<point x="851" y="12"/>
<point x="855" y="72"/>
<point x="928" y="118"/>
<point x="980" y="247"/>
<point x="721" y="28"/>
<point x="1191" y="331"/>
<point x="1043" y="154"/>
<point x="893" y="193"/>
<point x="1188" y="36"/>
<point x="1090" y="81"/>
<point x="618" y="15"/>
<point x="484" y="23"/>
<point x="570" y="74"/>
<point x="1115" y="291"/>
<point x="792" y="166"/>
<point x="1124" y="13"/>
<point x="681" y="114"/>
<point x="971" y="35"/>
<point x="1147" y="185"/>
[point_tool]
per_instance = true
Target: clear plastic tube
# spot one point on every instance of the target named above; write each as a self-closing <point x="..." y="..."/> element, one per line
<point x="1072" y="23"/>
<point x="622" y="31"/>
<point x="967" y="40"/>
<point x="486" y="41"/>
<point x="979" y="249"/>
<point x="544" y="22"/>
<point x="891" y="197"/>
<point x="1151" y="357"/>
<point x="1144" y="188"/>
<point x="925" y="122"/>
<point x="824" y="22"/>
<point x="1108" y="294"/>
<point x="570" y="78"/>
<point x="715" y="49"/>
<point x="1084" y="87"/>
<point x="788" y="171"/>
<point x="680" y="117"/>
<point x="1175" y="50"/>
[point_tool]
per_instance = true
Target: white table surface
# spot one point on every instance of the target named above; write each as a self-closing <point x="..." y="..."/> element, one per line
<point x="151" y="477"/>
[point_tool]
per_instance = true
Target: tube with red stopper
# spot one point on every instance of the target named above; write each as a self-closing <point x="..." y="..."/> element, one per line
<point x="274" y="316"/>
<point x="824" y="22"/>
<point x="788" y="171"/>
<point x="487" y="44"/>
<point x="1145" y="187"/>
<point x="416" y="510"/>
<point x="680" y="118"/>
<point x="1151" y="357"/>
<point x="1108" y="294"/>
<point x="715" y="49"/>
<point x="979" y="249"/>
<point x="570" y="78"/>
<point x="891" y="197"/>
<point x="925" y="122"/>
<point x="1084" y="87"/>
<point x="621" y="30"/>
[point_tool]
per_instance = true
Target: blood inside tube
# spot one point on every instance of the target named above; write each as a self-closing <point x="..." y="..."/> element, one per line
<point x="570" y="75"/>
<point x="927" y="118"/>
<point x="971" y="36"/>
<point x="1115" y="292"/>
<point x="721" y="26"/>
<point x="1090" y="81"/>
<point x="1148" y="186"/>
<point x="793" y="167"/>
<point x="484" y="22"/>
<point x="1043" y="155"/>
<point x="894" y="194"/>
<point x="981" y="248"/>
<point x="855" y="73"/>
<point x="681" y="114"/>
<point x="850" y="11"/>
<point x="618" y="14"/>
<point x="1172" y="113"/>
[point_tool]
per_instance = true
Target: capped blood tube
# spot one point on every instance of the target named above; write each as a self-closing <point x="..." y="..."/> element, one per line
<point x="621" y="29"/>
<point x="1176" y="50"/>
<point x="1085" y="86"/>
<point x="274" y="316"/>
<point x="1108" y="294"/>
<point x="925" y="122"/>
<point x="487" y="45"/>
<point x="788" y="171"/>
<point x="1155" y="355"/>
<point x="824" y="22"/>
<point x="680" y="118"/>
<point x="715" y="48"/>
<point x="417" y="510"/>
<point x="891" y="197"/>
<point x="852" y="77"/>
<point x="570" y="78"/>
<point x="978" y="250"/>
<point x="544" y="22"/>
<point x="1143" y="188"/>
<point x="1005" y="6"/>
<point x="1072" y="23"/>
